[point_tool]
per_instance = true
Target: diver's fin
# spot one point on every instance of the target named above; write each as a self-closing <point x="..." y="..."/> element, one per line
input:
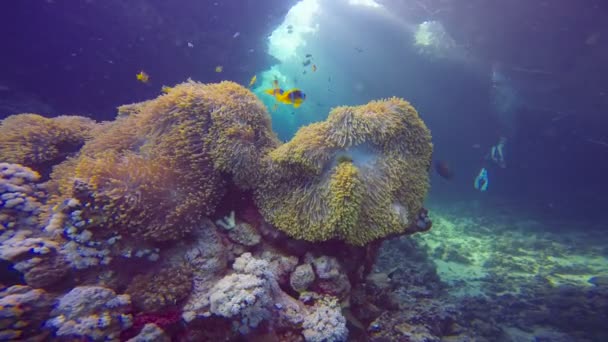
<point x="481" y="181"/>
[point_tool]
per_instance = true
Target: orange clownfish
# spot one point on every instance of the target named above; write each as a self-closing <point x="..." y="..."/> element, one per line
<point x="143" y="77"/>
<point x="293" y="96"/>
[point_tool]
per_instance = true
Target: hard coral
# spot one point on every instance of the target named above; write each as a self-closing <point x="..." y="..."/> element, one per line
<point x="160" y="290"/>
<point x="359" y="176"/>
<point x="39" y="142"/>
<point x="248" y="293"/>
<point x="22" y="312"/>
<point x="91" y="313"/>
<point x="325" y="322"/>
<point x="20" y="197"/>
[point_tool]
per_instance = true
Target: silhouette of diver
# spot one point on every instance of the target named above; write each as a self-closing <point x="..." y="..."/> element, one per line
<point x="496" y="155"/>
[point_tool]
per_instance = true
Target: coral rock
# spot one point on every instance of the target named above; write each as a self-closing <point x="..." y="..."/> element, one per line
<point x="156" y="291"/>
<point x="245" y="234"/>
<point x="302" y="277"/>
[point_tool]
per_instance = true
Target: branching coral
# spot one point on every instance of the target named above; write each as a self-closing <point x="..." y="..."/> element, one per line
<point x="38" y="142"/>
<point x="325" y="322"/>
<point x="358" y="176"/>
<point x="247" y="293"/>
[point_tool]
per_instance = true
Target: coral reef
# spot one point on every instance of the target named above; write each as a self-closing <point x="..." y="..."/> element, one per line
<point x="158" y="290"/>
<point x="35" y="256"/>
<point x="302" y="277"/>
<point x="23" y="311"/>
<point x="149" y="325"/>
<point x="247" y="293"/>
<point x="91" y="312"/>
<point x="156" y="172"/>
<point x="38" y="142"/>
<point x="20" y="197"/>
<point x="120" y="242"/>
<point x="325" y="322"/>
<point x="360" y="175"/>
<point x="150" y="332"/>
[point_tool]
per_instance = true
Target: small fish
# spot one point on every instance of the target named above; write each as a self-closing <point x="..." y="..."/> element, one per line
<point x="359" y="50"/>
<point x="190" y="45"/>
<point x="253" y="79"/>
<point x="166" y="89"/>
<point x="219" y="68"/>
<point x="275" y="107"/>
<point x="314" y="68"/>
<point x="236" y="34"/>
<point x="274" y="92"/>
<point x="443" y="169"/>
<point x="304" y="72"/>
<point x="306" y="62"/>
<point x="289" y="27"/>
<point x="293" y="96"/>
<point x="143" y="77"/>
<point x="308" y="55"/>
<point x="275" y="83"/>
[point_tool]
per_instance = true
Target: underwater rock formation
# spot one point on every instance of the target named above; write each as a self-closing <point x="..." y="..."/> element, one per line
<point x="360" y="175"/>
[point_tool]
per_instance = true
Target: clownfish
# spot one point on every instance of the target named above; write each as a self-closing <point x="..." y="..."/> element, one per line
<point x="293" y="96"/>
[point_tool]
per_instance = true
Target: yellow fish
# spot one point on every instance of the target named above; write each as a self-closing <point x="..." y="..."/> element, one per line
<point x="253" y="79"/>
<point x="166" y="89"/>
<point x="293" y="96"/>
<point x="274" y="92"/>
<point x="219" y="68"/>
<point x="314" y="67"/>
<point x="143" y="77"/>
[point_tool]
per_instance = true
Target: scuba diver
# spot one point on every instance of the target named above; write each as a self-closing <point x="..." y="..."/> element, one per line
<point x="496" y="155"/>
